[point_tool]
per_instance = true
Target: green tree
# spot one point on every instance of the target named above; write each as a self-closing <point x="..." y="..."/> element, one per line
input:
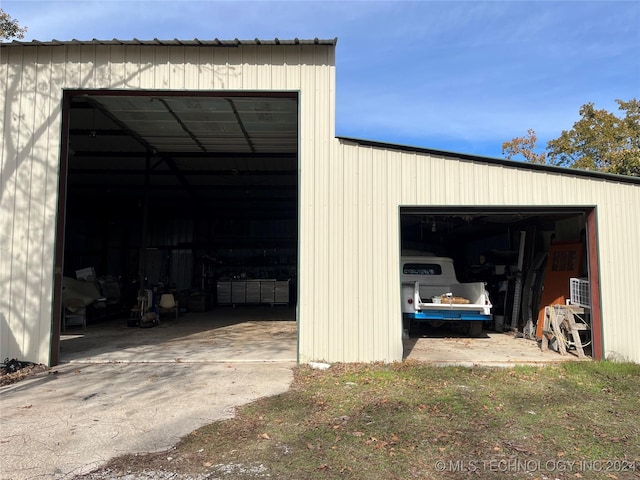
<point x="9" y="27"/>
<point x="524" y="146"/>
<point x="599" y="140"/>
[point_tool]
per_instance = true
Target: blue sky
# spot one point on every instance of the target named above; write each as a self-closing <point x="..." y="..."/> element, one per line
<point x="457" y="76"/>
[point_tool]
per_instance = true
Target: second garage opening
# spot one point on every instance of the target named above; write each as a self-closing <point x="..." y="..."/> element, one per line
<point x="521" y="259"/>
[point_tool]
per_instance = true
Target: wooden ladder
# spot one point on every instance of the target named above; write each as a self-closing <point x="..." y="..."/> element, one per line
<point x="559" y="322"/>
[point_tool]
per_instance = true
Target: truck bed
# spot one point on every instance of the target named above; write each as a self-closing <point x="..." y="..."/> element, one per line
<point x="426" y="297"/>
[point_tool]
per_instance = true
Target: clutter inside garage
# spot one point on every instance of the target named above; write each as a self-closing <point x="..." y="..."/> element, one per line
<point x="533" y="263"/>
<point x="177" y="204"/>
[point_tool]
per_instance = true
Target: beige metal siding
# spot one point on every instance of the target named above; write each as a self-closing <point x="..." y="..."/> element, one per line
<point x="368" y="187"/>
<point x="618" y="240"/>
<point x="350" y="195"/>
<point x="33" y="79"/>
<point x="313" y="273"/>
<point x="27" y="203"/>
<point x="357" y="307"/>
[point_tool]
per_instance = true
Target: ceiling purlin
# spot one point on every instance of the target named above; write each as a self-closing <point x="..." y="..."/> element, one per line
<point x="132" y="133"/>
<point x="152" y="149"/>
<point x="241" y="125"/>
<point x="181" y="123"/>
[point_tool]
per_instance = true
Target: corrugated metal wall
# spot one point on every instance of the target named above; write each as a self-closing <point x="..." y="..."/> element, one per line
<point x="32" y="82"/>
<point x="30" y="99"/>
<point x="356" y="301"/>
<point x="349" y="202"/>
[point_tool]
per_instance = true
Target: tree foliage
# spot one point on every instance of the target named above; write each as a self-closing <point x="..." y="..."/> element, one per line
<point x="9" y="27"/>
<point x="524" y="146"/>
<point x="599" y="141"/>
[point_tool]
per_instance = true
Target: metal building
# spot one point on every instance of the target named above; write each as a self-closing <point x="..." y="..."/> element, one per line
<point x="234" y="144"/>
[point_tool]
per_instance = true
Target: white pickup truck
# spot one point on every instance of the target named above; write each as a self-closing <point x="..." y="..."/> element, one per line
<point x="431" y="293"/>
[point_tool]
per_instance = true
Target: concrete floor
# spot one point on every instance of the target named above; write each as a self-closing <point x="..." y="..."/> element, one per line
<point x="490" y="349"/>
<point x="269" y="334"/>
<point x="242" y="334"/>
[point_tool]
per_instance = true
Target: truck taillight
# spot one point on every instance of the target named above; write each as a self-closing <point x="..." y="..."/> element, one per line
<point x="409" y="300"/>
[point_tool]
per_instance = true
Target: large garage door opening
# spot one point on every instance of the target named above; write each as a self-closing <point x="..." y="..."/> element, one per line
<point x="179" y="209"/>
<point x="487" y="272"/>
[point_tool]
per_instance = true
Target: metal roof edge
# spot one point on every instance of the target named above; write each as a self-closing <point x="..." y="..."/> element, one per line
<point x="175" y="42"/>
<point x="496" y="161"/>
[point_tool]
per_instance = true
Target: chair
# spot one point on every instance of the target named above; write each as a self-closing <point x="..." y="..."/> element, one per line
<point x="168" y="304"/>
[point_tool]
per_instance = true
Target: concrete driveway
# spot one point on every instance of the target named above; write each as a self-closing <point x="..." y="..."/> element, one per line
<point x="76" y="417"/>
<point x="126" y="390"/>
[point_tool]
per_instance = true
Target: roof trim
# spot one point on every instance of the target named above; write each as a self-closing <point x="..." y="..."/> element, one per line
<point x="173" y="43"/>
<point x="496" y="161"/>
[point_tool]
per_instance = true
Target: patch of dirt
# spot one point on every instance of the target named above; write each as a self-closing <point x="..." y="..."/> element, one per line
<point x="12" y="371"/>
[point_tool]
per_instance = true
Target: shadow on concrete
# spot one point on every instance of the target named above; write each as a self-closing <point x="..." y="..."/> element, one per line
<point x="227" y="334"/>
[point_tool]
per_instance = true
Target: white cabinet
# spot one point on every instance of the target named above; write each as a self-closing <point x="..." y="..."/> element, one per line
<point x="253" y="292"/>
<point x="223" y="293"/>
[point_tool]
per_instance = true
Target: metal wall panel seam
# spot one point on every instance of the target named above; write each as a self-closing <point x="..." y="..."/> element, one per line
<point x="177" y="72"/>
<point x="49" y="220"/>
<point x="316" y="187"/>
<point x="20" y="253"/>
<point x="365" y="248"/>
<point x="322" y="145"/>
<point x="132" y="67"/>
<point x="250" y="77"/>
<point x="278" y="71"/>
<point x="34" y="247"/>
<point x="11" y="105"/>
<point x="351" y="275"/>
<point x="323" y="218"/>
<point x="305" y="238"/>
<point x="5" y="277"/>
<point x="191" y="68"/>
<point x="161" y="68"/>
<point x="310" y="336"/>
<point x="235" y="70"/>
<point x="380" y="224"/>
<point x="87" y="71"/>
<point x="337" y="245"/>
<point x="393" y="298"/>
<point x="118" y="69"/>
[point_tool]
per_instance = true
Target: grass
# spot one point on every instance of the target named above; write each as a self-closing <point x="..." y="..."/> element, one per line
<point x="410" y="420"/>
